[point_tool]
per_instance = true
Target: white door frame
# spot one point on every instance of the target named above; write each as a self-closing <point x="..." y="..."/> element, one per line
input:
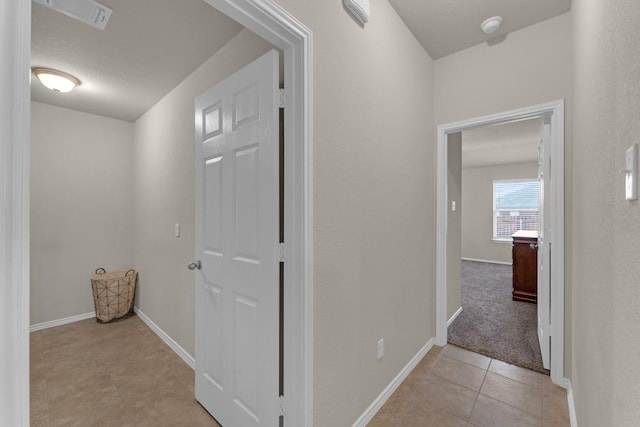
<point x="265" y="18"/>
<point x="556" y="110"/>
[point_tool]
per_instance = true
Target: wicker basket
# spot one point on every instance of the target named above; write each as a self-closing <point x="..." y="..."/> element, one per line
<point x="113" y="293"/>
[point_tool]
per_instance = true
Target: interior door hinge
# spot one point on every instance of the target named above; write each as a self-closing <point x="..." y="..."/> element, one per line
<point x="283" y="408"/>
<point x="281" y="98"/>
<point x="281" y="251"/>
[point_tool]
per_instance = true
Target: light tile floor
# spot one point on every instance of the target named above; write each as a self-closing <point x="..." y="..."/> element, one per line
<point x="455" y="387"/>
<point x="110" y="375"/>
<point x="121" y="374"/>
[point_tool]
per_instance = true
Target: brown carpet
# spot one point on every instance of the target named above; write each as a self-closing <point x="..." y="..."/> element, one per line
<point x="491" y="323"/>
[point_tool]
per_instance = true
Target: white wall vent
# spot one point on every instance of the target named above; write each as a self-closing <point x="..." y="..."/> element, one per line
<point x="88" y="11"/>
<point x="359" y="9"/>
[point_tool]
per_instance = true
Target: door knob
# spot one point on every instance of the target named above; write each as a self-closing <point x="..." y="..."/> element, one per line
<point x="531" y="245"/>
<point x="195" y="265"/>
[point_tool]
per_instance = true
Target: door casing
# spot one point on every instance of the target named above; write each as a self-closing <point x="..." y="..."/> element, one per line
<point x="556" y="110"/>
<point x="265" y="18"/>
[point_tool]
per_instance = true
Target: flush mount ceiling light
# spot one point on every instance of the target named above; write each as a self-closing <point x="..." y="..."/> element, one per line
<point x="56" y="80"/>
<point x="491" y="24"/>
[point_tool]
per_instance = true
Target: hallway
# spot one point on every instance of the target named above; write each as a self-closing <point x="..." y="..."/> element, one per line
<point x="121" y="374"/>
<point x="453" y="387"/>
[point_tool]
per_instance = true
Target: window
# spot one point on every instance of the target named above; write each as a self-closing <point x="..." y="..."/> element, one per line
<point x="515" y="207"/>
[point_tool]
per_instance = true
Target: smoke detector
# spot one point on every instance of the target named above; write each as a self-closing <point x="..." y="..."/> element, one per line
<point x="359" y="9"/>
<point x="88" y="11"/>
<point x="491" y="24"/>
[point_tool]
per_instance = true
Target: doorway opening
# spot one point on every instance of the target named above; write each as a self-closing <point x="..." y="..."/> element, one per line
<point x="553" y="331"/>
<point x="493" y="193"/>
<point x="268" y="20"/>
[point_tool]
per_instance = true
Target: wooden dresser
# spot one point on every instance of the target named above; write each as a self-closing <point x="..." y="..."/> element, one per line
<point x="525" y="266"/>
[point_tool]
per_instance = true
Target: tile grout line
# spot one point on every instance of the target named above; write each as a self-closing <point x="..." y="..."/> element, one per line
<point x="518" y="381"/>
<point x="46" y="391"/>
<point x="431" y="371"/>
<point x="542" y="405"/>
<point x="510" y="405"/>
<point x="478" y="393"/>
<point x="454" y="382"/>
<point x="467" y="363"/>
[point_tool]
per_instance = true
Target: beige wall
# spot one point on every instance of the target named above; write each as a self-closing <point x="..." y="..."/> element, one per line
<point x="532" y="66"/>
<point x="606" y="372"/>
<point x="164" y="180"/>
<point x="81" y="195"/>
<point x="454" y="222"/>
<point x="374" y="214"/>
<point x="374" y="210"/>
<point x="477" y="209"/>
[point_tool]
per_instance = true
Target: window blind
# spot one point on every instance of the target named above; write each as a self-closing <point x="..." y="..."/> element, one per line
<point x="515" y="207"/>
<point x="516" y="194"/>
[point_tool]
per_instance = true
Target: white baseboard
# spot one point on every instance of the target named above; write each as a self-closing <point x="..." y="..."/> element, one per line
<point x="486" y="260"/>
<point x="60" y="322"/>
<point x="184" y="355"/>
<point x="373" y="409"/>
<point x="571" y="403"/>
<point x="456" y="314"/>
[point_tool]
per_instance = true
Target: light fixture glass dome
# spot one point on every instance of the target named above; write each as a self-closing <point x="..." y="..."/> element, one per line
<point x="490" y="25"/>
<point x="56" y="80"/>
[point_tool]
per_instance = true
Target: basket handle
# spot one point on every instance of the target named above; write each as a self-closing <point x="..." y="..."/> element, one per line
<point x="129" y="271"/>
<point x="100" y="270"/>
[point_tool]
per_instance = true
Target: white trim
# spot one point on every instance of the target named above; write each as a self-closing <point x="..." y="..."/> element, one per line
<point x="501" y="240"/>
<point x="63" y="321"/>
<point x="15" y="33"/>
<point x="556" y="110"/>
<point x="488" y="261"/>
<point x="573" y="419"/>
<point x="269" y="20"/>
<point x="454" y="317"/>
<point x="382" y="398"/>
<point x="177" y="348"/>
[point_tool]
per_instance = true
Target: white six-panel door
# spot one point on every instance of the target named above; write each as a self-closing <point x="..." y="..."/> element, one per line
<point x="237" y="242"/>
<point x="544" y="243"/>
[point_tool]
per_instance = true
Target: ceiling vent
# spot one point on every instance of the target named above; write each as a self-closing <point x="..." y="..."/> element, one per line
<point x="359" y="9"/>
<point x="88" y="11"/>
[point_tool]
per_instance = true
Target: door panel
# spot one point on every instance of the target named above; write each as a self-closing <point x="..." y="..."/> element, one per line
<point x="213" y="205"/>
<point x="237" y="240"/>
<point x="544" y="243"/>
<point x="246" y="207"/>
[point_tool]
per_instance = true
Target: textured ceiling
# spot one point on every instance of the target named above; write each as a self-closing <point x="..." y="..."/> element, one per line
<point x="515" y="142"/>
<point x="447" y="26"/>
<point x="150" y="46"/>
<point x="147" y="49"/>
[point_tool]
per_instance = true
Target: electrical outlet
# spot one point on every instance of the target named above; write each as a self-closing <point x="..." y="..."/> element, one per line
<point x="177" y="231"/>
<point x="381" y="348"/>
